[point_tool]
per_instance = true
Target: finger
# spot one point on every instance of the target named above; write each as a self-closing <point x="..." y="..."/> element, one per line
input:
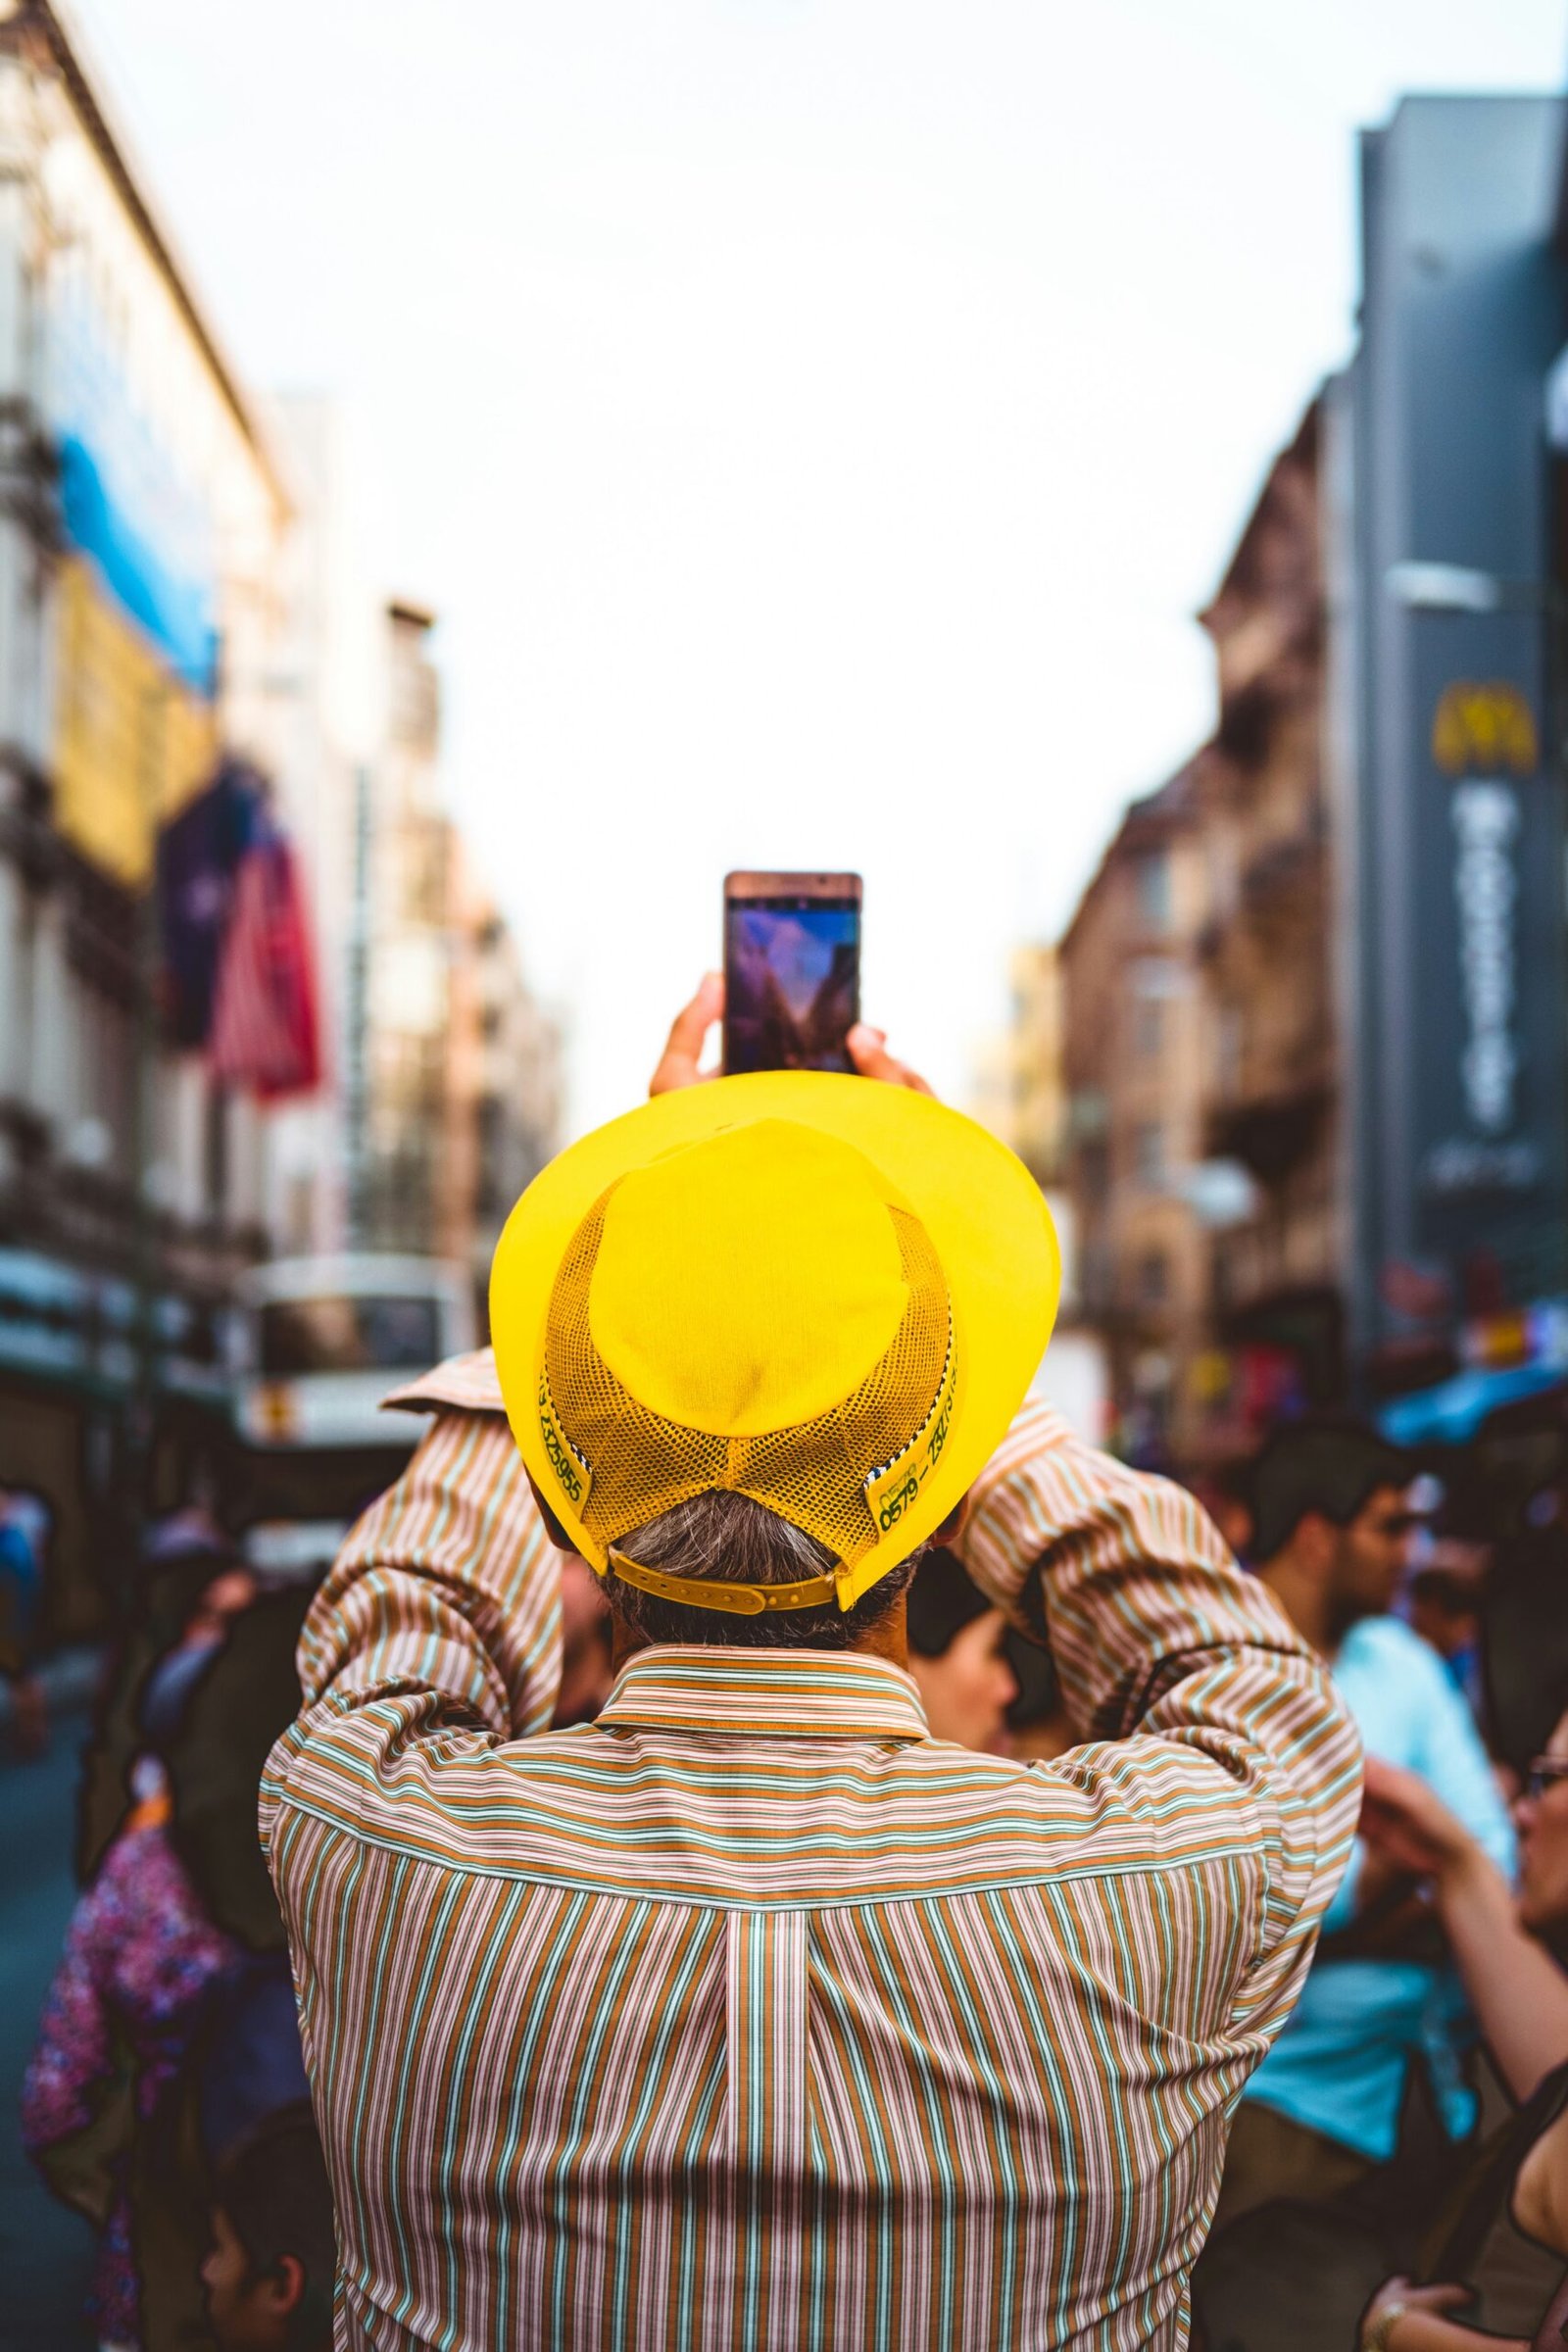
<point x="678" y="1064"/>
<point x="1393" y="2290"/>
<point x="868" y="1051"/>
<point x="1441" y="2298"/>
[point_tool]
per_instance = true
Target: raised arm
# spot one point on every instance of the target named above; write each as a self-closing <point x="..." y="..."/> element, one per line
<point x="445" y="1602"/>
<point x="1158" y="1635"/>
<point x="1516" y="1989"/>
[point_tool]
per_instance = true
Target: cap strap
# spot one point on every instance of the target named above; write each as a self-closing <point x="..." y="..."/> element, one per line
<point x="743" y="1600"/>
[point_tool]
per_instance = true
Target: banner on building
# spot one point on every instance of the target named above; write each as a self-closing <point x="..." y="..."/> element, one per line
<point x="239" y="960"/>
<point x="265" y="1033"/>
<point x="133" y="735"/>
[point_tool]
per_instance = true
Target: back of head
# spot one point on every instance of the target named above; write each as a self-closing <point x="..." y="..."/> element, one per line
<point x="724" y="1538"/>
<point x="278" y="2198"/>
<point x="1524" y="1613"/>
<point x="1329" y="1468"/>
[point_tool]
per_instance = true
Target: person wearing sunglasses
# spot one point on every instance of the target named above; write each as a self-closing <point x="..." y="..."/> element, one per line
<point x="1321" y="2118"/>
<point x="1510" y="1951"/>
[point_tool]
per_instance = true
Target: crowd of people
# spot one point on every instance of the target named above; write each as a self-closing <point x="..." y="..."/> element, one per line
<point x="680" y="1919"/>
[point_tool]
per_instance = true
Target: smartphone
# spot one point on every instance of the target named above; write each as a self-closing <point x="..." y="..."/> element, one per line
<point x="792" y="970"/>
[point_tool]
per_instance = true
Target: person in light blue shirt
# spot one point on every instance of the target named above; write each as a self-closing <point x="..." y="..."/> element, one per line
<point x="1330" y="1535"/>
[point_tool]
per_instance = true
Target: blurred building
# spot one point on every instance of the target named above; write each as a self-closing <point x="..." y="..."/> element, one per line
<point x="1200" y="1050"/>
<point x="1316" y="997"/>
<point x="178" y="603"/>
<point x="1022" y="1095"/>
<point x="1133" y="1067"/>
<point x="409" y="891"/>
<point x="1270" y="1141"/>
<point x="1031" y="1112"/>
<point x="505" y="1082"/>
<point x="331" y="713"/>
<point x="142" y="526"/>
<point x="462" y="1065"/>
<point x="1449" y="560"/>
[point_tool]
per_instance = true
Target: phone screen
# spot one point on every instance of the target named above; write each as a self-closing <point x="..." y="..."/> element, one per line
<point x="792" y="982"/>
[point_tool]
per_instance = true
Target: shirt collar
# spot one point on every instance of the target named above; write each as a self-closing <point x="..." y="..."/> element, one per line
<point x="780" y="1693"/>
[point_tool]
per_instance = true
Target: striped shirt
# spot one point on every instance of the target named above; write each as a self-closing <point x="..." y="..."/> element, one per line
<point x="751" y="2015"/>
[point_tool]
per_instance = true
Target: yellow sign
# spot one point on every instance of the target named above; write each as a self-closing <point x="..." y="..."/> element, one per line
<point x="1210" y="1375"/>
<point x="131" y="745"/>
<point x="1484" y="730"/>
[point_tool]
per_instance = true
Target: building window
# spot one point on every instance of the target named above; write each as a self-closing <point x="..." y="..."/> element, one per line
<point x="1153" y="1278"/>
<point x="1153" y="890"/>
<point x="1094" y="1169"/>
<point x="1095" y="1278"/>
<point x="1149" y="1154"/>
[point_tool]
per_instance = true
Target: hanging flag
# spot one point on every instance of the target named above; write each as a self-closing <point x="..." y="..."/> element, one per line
<point x="265" y="1033"/>
<point x="199" y="855"/>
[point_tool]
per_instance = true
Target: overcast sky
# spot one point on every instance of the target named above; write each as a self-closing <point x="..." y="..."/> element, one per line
<point x="814" y="423"/>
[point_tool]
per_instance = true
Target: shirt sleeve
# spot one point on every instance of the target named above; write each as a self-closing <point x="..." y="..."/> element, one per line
<point x="443" y="1608"/>
<point x="1230" y="1725"/>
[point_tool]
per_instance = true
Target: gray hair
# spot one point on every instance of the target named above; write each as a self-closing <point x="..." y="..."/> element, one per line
<point x="731" y="1540"/>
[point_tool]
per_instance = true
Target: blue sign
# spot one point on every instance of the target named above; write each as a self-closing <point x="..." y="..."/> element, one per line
<point x="127" y="505"/>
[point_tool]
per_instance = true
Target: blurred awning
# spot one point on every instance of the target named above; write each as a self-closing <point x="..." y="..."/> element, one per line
<point x="1451" y="1413"/>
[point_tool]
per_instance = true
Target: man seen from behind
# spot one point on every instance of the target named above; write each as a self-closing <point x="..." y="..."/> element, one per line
<point x="750" y="2014"/>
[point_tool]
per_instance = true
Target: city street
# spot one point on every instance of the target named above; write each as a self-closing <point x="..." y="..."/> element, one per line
<point x="45" y="2252"/>
<point x="784" y="1177"/>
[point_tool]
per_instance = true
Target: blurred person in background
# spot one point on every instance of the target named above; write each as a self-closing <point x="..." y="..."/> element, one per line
<point x="269" y="2276"/>
<point x="24" y="1528"/>
<point x="1443" y="1604"/>
<point x="1225" y="1492"/>
<point x="1331" y="1531"/>
<point x="176" y="1912"/>
<point x="1510" y="1952"/>
<point x="141" y="1954"/>
<point x="1523" y="1607"/>
<point x="179" y="1557"/>
<point x="957" y="1657"/>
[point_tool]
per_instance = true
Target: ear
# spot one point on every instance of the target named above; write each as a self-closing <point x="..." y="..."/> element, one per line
<point x="952" y="1524"/>
<point x="285" y="2285"/>
<point x="553" y="1527"/>
<point x="1317" y="1540"/>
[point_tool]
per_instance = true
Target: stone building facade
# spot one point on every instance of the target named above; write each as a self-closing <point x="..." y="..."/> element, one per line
<point x="1133" y="1044"/>
<point x="1198" y="1033"/>
<point x="144" y="517"/>
<point x="1270" y="1086"/>
<point x="462" y="1063"/>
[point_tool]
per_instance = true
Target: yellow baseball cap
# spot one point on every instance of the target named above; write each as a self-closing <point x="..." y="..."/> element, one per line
<point x="827" y="1294"/>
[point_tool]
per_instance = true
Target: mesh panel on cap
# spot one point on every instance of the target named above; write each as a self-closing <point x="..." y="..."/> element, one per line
<point x="814" y="1475"/>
